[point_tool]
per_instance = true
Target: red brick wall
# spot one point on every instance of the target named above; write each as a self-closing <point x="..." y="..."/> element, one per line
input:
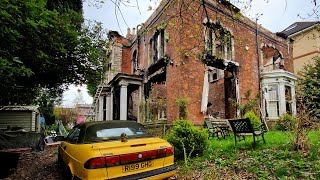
<point x="126" y="60"/>
<point x="217" y="98"/>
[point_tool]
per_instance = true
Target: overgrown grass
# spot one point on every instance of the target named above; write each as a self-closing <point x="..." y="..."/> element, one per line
<point x="273" y="160"/>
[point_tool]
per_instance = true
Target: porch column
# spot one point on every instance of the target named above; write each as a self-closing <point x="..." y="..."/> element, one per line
<point x="108" y="108"/>
<point x="111" y="105"/>
<point x="96" y="110"/>
<point x="100" y="109"/>
<point x="123" y="100"/>
<point x="139" y="102"/>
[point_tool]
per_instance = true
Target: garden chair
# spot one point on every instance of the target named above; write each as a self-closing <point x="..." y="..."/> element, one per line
<point x="213" y="130"/>
<point x="243" y="127"/>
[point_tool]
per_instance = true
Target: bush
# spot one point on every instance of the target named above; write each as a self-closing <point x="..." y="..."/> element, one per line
<point x="49" y="128"/>
<point x="254" y="119"/>
<point x="286" y="122"/>
<point x="183" y="107"/>
<point x="187" y="140"/>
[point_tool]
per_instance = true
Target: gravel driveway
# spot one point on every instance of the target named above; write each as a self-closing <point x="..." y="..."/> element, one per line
<point x="37" y="165"/>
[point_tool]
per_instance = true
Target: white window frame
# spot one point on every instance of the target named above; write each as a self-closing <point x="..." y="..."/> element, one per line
<point x="277" y="101"/>
<point x="291" y="101"/>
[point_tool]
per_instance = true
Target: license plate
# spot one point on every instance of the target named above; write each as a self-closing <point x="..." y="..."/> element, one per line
<point x="137" y="166"/>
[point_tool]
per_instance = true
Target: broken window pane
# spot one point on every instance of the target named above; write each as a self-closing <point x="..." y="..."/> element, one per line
<point x="218" y="42"/>
<point x="161" y="44"/>
<point x="229" y="47"/>
<point x="288" y="97"/>
<point x="155" y="47"/>
<point x="134" y="61"/>
<point x="104" y="108"/>
<point x="271" y="59"/>
<point x="208" y="41"/>
<point x="151" y="51"/>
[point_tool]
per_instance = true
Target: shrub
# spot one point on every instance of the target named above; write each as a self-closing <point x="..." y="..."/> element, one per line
<point x="182" y="105"/>
<point x="49" y="128"/>
<point x="254" y="119"/>
<point x="187" y="140"/>
<point x="286" y="122"/>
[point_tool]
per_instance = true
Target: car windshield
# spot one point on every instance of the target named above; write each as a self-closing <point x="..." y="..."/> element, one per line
<point x="103" y="132"/>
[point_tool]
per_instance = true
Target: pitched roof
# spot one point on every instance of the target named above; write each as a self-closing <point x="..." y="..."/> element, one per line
<point x="296" y="27"/>
<point x="84" y="105"/>
<point x="19" y="108"/>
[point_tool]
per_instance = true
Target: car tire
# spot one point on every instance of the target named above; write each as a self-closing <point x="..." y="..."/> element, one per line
<point x="60" y="162"/>
<point x="68" y="175"/>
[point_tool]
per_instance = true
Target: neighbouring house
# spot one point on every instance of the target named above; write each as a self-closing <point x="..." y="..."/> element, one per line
<point x="85" y="112"/>
<point x="74" y="115"/>
<point x="205" y="57"/>
<point x="305" y="37"/>
<point x="25" y="117"/>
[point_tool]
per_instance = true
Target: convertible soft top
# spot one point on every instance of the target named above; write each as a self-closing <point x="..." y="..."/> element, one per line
<point x="88" y="129"/>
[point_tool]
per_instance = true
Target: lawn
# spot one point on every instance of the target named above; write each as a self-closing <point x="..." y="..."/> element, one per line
<point x="273" y="160"/>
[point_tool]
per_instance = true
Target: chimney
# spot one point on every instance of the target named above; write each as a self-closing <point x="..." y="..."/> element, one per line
<point x="128" y="33"/>
<point x="133" y="31"/>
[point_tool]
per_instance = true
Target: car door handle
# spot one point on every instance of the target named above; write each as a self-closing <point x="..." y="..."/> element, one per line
<point x="64" y="148"/>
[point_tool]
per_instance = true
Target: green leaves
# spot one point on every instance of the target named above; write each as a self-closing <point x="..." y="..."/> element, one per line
<point x="187" y="140"/>
<point x="274" y="160"/>
<point x="309" y="87"/>
<point x="43" y="45"/>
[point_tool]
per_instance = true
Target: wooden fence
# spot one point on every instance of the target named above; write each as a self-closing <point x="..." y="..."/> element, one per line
<point x="162" y="129"/>
<point x="159" y="130"/>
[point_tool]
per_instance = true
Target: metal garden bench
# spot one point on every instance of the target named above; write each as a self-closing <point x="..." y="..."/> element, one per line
<point x="243" y="127"/>
<point x="217" y="128"/>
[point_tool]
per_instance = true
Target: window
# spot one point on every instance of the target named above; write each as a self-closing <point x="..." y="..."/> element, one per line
<point x="288" y="98"/>
<point x="151" y="51"/>
<point x="273" y="101"/>
<point x="113" y="131"/>
<point x="218" y="42"/>
<point x="161" y="114"/>
<point x="271" y="59"/>
<point x="73" y="136"/>
<point x="104" y="108"/>
<point x="215" y="74"/>
<point x="135" y="62"/>
<point x="157" y="46"/>
<point x="161" y="43"/>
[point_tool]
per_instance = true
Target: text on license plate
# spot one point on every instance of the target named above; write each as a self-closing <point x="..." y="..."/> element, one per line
<point x="137" y="166"/>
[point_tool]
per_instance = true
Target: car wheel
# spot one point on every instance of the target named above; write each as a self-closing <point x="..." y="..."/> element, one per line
<point x="60" y="162"/>
<point x="68" y="175"/>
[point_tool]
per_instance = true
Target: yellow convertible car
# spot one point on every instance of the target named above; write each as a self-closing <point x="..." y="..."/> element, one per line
<point x="115" y="150"/>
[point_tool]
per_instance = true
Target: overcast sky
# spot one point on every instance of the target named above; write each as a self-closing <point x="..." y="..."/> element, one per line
<point x="275" y="15"/>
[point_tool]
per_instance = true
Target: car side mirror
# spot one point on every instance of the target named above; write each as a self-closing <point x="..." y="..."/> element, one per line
<point x="60" y="138"/>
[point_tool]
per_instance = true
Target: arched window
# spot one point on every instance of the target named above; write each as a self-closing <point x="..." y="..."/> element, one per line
<point x="271" y="58"/>
<point x="218" y="41"/>
<point x="135" y="61"/>
<point x="157" y="46"/>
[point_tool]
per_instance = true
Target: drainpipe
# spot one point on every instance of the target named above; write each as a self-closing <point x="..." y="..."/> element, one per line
<point x="138" y="41"/>
<point x="138" y="44"/>
<point x="259" y="76"/>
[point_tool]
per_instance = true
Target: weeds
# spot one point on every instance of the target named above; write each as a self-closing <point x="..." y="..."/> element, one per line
<point x="274" y="160"/>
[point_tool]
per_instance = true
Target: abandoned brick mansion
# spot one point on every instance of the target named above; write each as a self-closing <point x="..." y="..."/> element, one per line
<point x="204" y="56"/>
